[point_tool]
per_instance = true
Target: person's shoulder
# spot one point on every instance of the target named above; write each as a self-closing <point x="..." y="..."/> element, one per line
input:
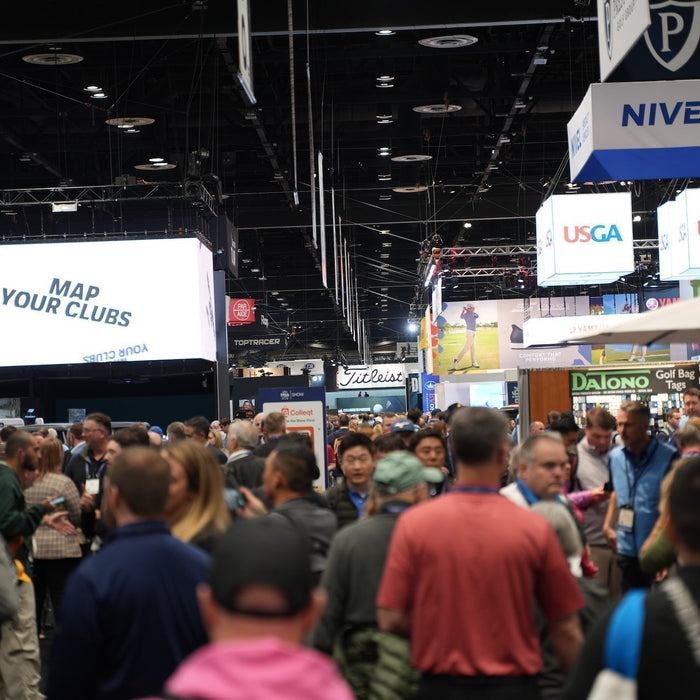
<point x="668" y="450"/>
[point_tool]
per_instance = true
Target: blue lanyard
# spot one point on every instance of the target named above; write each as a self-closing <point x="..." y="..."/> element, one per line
<point x="637" y="469"/>
<point x="99" y="471"/>
<point x="473" y="488"/>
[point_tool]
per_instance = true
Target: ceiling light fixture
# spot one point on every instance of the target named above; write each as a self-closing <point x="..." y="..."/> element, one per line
<point x="385" y="78"/>
<point x="92" y="88"/>
<point x="467" y="224"/>
<point x="52" y="59"/>
<point x="57" y="207"/>
<point x="451" y="41"/>
<point x="415" y="158"/>
<point x="410" y="188"/>
<point x="385" y="32"/>
<point x="129" y="122"/>
<point x="437" y="109"/>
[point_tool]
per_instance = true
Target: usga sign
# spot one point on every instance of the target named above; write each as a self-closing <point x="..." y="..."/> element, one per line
<point x="584" y="238"/>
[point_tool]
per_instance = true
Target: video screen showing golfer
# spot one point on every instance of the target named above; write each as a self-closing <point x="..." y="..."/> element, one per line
<point x="469" y="316"/>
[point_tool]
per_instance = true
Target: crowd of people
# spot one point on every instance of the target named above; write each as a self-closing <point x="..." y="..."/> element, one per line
<point x="444" y="559"/>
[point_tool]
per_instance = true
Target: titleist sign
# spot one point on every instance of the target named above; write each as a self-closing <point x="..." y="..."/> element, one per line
<point x="361" y="377"/>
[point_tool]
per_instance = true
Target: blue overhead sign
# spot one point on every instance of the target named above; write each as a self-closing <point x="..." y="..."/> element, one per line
<point x="636" y="131"/>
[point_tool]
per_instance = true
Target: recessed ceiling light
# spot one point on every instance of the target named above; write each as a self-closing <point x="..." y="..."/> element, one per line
<point x="384" y="231"/>
<point x="415" y="158"/>
<point x="386" y="244"/>
<point x="386" y="78"/>
<point x="436" y="109"/>
<point x="410" y="188"/>
<point x="156" y="159"/>
<point x="385" y="85"/>
<point x="384" y="116"/>
<point x="255" y="269"/>
<point x="384" y="197"/>
<point x="98" y="96"/>
<point x="467" y="224"/>
<point x="132" y="131"/>
<point x="384" y="176"/>
<point x="451" y="41"/>
<point x="385" y="121"/>
<point x="52" y="59"/>
<point x="385" y="32"/>
<point x="129" y="122"/>
<point x="156" y="166"/>
<point x="92" y="88"/>
<point x="384" y="256"/>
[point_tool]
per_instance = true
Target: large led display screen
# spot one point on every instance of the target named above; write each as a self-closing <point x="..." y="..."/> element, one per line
<point x="106" y="301"/>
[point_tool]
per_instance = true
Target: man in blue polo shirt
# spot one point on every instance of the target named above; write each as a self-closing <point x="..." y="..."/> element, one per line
<point x="130" y="614"/>
<point x="637" y="470"/>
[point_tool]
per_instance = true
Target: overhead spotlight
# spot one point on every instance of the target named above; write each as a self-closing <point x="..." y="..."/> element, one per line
<point x="63" y="206"/>
<point x="385" y="32"/>
<point x="412" y="326"/>
<point x="636" y="218"/>
<point x="467" y="224"/>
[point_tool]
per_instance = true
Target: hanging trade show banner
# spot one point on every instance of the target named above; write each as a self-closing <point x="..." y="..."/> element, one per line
<point x="240" y="311"/>
<point x="636" y="131"/>
<point x="107" y="301"/>
<point x="304" y="411"/>
<point x="670" y="49"/>
<point x="678" y="223"/>
<point x="478" y="336"/>
<point x="620" y="25"/>
<point x="428" y="384"/>
<point x="584" y="238"/>
<point x="635" y="380"/>
<point x="374" y="376"/>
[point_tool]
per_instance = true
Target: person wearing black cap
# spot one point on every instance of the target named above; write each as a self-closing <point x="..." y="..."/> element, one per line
<point x="348" y="627"/>
<point x="258" y="607"/>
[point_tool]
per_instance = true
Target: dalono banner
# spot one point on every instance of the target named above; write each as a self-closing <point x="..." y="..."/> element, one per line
<point x="584" y="238"/>
<point x="636" y="131"/>
<point x="678" y="223"/>
<point x="635" y="380"/>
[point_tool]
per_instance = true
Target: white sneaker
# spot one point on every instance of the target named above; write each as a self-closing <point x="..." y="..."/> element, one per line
<point x="642" y="359"/>
<point x="476" y="364"/>
<point x="454" y="365"/>
<point x="630" y="358"/>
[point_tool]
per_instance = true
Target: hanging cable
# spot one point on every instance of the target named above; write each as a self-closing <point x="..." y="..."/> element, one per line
<point x="293" y="107"/>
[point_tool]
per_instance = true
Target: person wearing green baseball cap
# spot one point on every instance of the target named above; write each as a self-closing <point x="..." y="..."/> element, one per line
<point x="367" y="657"/>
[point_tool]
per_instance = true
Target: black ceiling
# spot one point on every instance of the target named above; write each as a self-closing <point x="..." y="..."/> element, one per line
<point x="491" y="162"/>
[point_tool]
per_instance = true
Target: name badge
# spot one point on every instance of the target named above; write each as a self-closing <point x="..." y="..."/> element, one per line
<point x="625" y="519"/>
<point x="92" y="486"/>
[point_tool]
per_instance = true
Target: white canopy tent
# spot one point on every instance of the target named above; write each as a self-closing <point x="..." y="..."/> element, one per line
<point x="677" y="323"/>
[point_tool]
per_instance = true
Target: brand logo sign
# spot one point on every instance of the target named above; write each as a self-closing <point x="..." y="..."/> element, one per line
<point x="647" y="380"/>
<point x="562" y="259"/>
<point x="241" y="311"/>
<point x="679" y="252"/>
<point x="620" y="24"/>
<point x="377" y="376"/>
<point x="673" y="36"/>
<point x="598" y="233"/>
<point x="267" y="342"/>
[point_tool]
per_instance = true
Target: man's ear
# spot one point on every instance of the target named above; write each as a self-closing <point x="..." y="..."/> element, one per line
<point x="313" y="611"/>
<point x="672" y="533"/>
<point x="207" y="606"/>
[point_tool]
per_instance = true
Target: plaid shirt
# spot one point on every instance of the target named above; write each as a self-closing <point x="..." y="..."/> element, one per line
<point x="49" y="543"/>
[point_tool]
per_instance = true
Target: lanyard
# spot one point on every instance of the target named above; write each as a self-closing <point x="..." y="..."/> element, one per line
<point x="637" y="473"/>
<point x="473" y="488"/>
<point x="99" y="471"/>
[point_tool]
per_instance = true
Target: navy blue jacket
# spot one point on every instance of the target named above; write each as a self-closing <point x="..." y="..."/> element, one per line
<point x="129" y="616"/>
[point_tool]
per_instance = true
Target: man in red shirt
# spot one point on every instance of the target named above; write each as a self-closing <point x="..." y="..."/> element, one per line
<point x="465" y="600"/>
